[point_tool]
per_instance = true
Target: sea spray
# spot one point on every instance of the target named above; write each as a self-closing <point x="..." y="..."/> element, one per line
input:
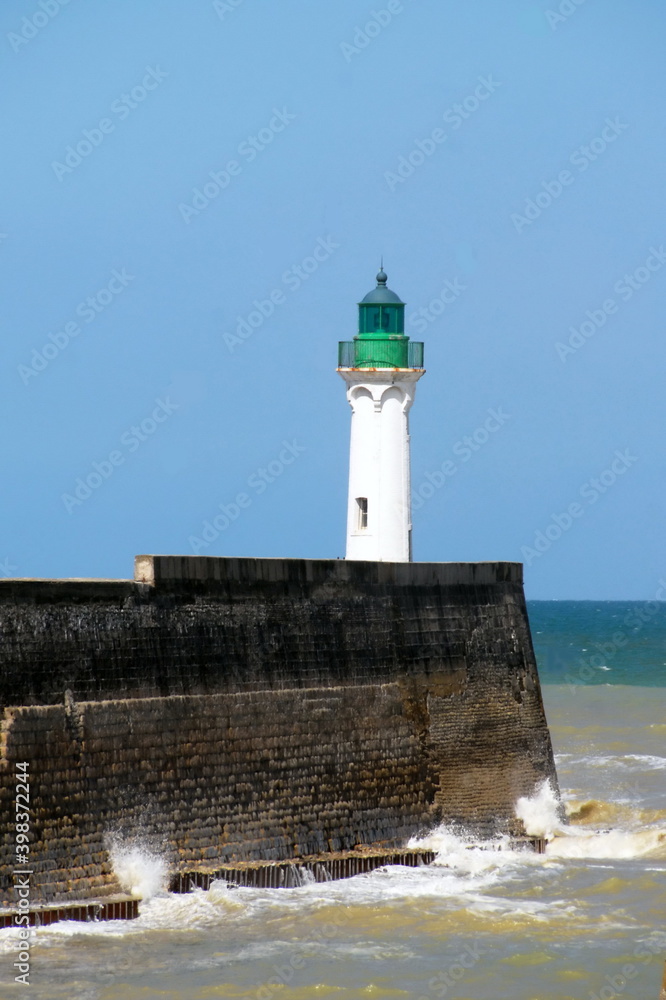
<point x="140" y="871"/>
<point x="541" y="813"/>
<point x="464" y="853"/>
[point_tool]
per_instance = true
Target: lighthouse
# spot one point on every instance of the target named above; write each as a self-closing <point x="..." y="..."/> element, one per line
<point x="381" y="367"/>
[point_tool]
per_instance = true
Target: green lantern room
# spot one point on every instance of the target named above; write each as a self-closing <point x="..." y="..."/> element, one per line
<point x="381" y="340"/>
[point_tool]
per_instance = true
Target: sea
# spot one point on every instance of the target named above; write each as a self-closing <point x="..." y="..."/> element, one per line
<point x="585" y="921"/>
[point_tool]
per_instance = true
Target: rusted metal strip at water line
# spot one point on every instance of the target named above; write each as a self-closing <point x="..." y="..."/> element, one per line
<point x="289" y="874"/>
<point x="91" y="910"/>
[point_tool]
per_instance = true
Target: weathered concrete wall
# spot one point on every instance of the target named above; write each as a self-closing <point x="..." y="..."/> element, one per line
<point x="237" y="709"/>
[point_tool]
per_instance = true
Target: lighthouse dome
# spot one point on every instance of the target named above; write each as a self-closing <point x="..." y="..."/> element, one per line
<point x="381" y="295"/>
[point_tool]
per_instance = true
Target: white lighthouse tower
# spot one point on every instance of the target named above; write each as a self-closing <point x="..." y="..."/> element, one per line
<point x="381" y="367"/>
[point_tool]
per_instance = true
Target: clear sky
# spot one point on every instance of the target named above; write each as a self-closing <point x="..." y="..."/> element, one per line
<point x="196" y="194"/>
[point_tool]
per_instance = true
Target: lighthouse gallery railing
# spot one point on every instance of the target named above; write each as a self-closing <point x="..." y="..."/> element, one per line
<point x="349" y="355"/>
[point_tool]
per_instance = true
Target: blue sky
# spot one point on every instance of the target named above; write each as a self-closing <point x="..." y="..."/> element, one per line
<point x="196" y="194"/>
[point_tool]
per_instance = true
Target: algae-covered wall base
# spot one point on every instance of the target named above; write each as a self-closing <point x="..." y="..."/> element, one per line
<point x="237" y="709"/>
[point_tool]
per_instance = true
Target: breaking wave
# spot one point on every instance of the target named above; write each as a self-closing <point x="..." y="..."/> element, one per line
<point x="634" y="832"/>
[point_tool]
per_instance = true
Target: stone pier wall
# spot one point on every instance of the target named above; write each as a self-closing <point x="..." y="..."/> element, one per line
<point x="237" y="709"/>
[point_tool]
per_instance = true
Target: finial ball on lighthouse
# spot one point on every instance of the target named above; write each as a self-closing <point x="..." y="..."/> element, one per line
<point x="381" y="367"/>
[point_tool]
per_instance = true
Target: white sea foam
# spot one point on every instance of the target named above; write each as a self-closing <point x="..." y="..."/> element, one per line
<point x="463" y="875"/>
<point x="628" y="761"/>
<point x="606" y="844"/>
<point x="465" y="855"/>
<point x="650" y="760"/>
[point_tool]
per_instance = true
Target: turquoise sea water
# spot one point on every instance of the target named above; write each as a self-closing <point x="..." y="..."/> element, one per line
<point x="600" y="642"/>
<point x="585" y="921"/>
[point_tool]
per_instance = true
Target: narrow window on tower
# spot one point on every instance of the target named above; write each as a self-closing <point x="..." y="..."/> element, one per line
<point x="362" y="505"/>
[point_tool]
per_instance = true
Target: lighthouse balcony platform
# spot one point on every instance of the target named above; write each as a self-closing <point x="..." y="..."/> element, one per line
<point x="398" y="353"/>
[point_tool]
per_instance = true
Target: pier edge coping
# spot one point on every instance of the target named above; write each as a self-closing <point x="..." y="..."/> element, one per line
<point x="155" y="573"/>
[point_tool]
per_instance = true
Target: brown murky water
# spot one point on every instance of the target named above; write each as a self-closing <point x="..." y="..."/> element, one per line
<point x="585" y="921"/>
